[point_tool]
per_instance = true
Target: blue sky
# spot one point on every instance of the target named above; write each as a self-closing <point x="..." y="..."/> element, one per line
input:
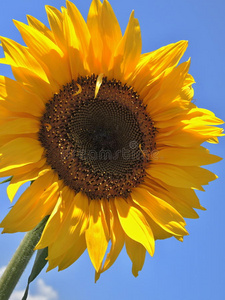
<point x="193" y="269"/>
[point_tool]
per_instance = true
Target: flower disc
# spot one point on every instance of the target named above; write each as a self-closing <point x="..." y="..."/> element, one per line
<point x="99" y="145"/>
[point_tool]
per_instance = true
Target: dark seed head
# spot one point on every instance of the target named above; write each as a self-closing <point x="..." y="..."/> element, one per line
<point x="100" y="146"/>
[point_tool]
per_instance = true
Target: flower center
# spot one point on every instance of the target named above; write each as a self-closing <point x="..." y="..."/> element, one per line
<point x="98" y="144"/>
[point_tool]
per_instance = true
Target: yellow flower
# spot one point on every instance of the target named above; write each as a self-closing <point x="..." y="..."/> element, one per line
<point x="109" y="137"/>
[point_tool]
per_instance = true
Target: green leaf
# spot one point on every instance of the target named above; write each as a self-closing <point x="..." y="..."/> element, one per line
<point x="39" y="263"/>
<point x="6" y="180"/>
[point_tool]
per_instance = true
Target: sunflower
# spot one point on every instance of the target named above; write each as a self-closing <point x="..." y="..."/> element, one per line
<point x="108" y="137"/>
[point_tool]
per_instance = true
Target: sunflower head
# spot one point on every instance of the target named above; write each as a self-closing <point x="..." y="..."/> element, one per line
<point x="109" y="137"/>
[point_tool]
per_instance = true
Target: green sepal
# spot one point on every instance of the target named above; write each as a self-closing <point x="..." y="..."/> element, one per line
<point x="39" y="263"/>
<point x="6" y="180"/>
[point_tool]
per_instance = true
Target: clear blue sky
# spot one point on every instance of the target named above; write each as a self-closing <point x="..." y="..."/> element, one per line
<point x="195" y="268"/>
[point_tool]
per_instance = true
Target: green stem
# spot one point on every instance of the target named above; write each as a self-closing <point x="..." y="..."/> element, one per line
<point x="20" y="260"/>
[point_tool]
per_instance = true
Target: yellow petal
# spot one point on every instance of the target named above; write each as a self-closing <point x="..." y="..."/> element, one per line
<point x="77" y="62"/>
<point x="105" y="32"/>
<point x="55" y="19"/>
<point x="158" y="232"/>
<point x="19" y="180"/>
<point x="73" y="253"/>
<point x="97" y="235"/>
<point x="186" y="156"/>
<point x="74" y="223"/>
<point x="38" y="44"/>
<point x="19" y="56"/>
<point x="15" y="98"/>
<point x="80" y="27"/>
<point x="184" y="208"/>
<point x="5" y="114"/>
<point x="69" y="257"/>
<point x="160" y="211"/>
<point x="128" y="51"/>
<point x="174" y="176"/>
<point x="135" y="225"/>
<point x="161" y="97"/>
<point x="35" y="23"/>
<point x="94" y="26"/>
<point x="181" y="138"/>
<point x="183" y="177"/>
<point x="164" y="57"/>
<point x="52" y="226"/>
<point x="187" y="91"/>
<point x="33" y="205"/>
<point x="136" y="252"/>
<point x="20" y="126"/>
<point x="20" y="152"/>
<point x="47" y="53"/>
<point x="200" y="116"/>
<point x="34" y="84"/>
<point x="187" y="195"/>
<point x="169" y="114"/>
<point x="206" y="132"/>
<point x="201" y="175"/>
<point x="116" y="237"/>
<point x="154" y="63"/>
<point x="98" y="84"/>
<point x="24" y="169"/>
<point x="110" y="28"/>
